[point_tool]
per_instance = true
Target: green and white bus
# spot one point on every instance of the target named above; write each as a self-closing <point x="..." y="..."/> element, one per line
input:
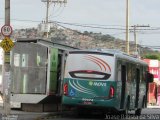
<point x="105" y="80"/>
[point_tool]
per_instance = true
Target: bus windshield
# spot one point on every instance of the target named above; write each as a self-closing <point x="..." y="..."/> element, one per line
<point x="93" y="66"/>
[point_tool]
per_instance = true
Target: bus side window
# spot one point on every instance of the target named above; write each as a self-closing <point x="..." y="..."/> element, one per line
<point x="119" y="71"/>
<point x="142" y="75"/>
<point x="123" y="74"/>
<point x="129" y="72"/>
<point x="133" y="74"/>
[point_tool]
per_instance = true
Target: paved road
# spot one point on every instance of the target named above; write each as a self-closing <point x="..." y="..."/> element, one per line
<point x="147" y="114"/>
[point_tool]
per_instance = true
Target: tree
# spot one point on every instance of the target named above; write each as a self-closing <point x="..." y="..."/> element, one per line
<point x="152" y="56"/>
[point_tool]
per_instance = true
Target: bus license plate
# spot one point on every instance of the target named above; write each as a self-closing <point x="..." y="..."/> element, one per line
<point x="87" y="102"/>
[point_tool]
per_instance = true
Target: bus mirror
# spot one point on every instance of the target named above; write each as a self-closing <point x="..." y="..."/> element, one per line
<point x="150" y="77"/>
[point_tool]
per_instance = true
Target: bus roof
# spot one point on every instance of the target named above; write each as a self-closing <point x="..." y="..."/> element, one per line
<point x="112" y="52"/>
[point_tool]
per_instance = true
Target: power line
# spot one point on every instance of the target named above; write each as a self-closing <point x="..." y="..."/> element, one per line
<point x="118" y="33"/>
<point x="58" y="12"/>
<point x="24" y="20"/>
<point x="149" y="46"/>
<point x="89" y="26"/>
<point x="74" y="24"/>
<point x="146" y="32"/>
<point x="96" y="26"/>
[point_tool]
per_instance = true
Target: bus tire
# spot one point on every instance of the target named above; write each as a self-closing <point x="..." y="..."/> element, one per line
<point x="138" y="112"/>
<point x="144" y="103"/>
<point x="125" y="112"/>
<point x="127" y="106"/>
<point x="82" y="112"/>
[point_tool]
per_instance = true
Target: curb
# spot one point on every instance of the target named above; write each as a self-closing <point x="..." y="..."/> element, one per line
<point x="51" y="116"/>
<point x="153" y="106"/>
<point x="54" y="115"/>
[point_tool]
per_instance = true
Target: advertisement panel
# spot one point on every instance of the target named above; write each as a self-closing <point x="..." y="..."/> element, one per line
<point x="154" y="68"/>
<point x="155" y="72"/>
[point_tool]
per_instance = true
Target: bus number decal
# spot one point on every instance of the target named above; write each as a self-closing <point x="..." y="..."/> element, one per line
<point x="86" y="99"/>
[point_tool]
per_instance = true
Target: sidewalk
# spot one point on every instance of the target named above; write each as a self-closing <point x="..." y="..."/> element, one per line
<point x="22" y="115"/>
<point x="155" y="106"/>
<point x="1" y="101"/>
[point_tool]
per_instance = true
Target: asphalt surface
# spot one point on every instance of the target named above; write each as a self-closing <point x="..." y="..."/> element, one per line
<point x="149" y="113"/>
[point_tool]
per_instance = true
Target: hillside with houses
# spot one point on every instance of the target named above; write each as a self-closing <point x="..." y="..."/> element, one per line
<point x="83" y="40"/>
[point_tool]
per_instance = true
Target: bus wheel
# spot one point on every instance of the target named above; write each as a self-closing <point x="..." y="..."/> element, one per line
<point x="125" y="112"/>
<point x="138" y="112"/>
<point x="82" y="112"/>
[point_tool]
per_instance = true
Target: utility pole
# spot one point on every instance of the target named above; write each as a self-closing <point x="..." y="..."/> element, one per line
<point x="135" y="39"/>
<point x="6" y="66"/>
<point x="135" y="35"/>
<point x="47" y="17"/>
<point x="49" y="2"/>
<point x="127" y="26"/>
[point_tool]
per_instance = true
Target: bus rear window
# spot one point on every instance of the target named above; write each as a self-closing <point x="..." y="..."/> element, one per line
<point x="89" y="66"/>
<point x="89" y="74"/>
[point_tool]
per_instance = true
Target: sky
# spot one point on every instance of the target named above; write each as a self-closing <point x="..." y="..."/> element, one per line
<point x="108" y="14"/>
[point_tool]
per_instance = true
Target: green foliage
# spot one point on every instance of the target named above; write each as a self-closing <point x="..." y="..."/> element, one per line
<point x="86" y="33"/>
<point x="99" y="36"/>
<point x="152" y="56"/>
<point x="107" y="37"/>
